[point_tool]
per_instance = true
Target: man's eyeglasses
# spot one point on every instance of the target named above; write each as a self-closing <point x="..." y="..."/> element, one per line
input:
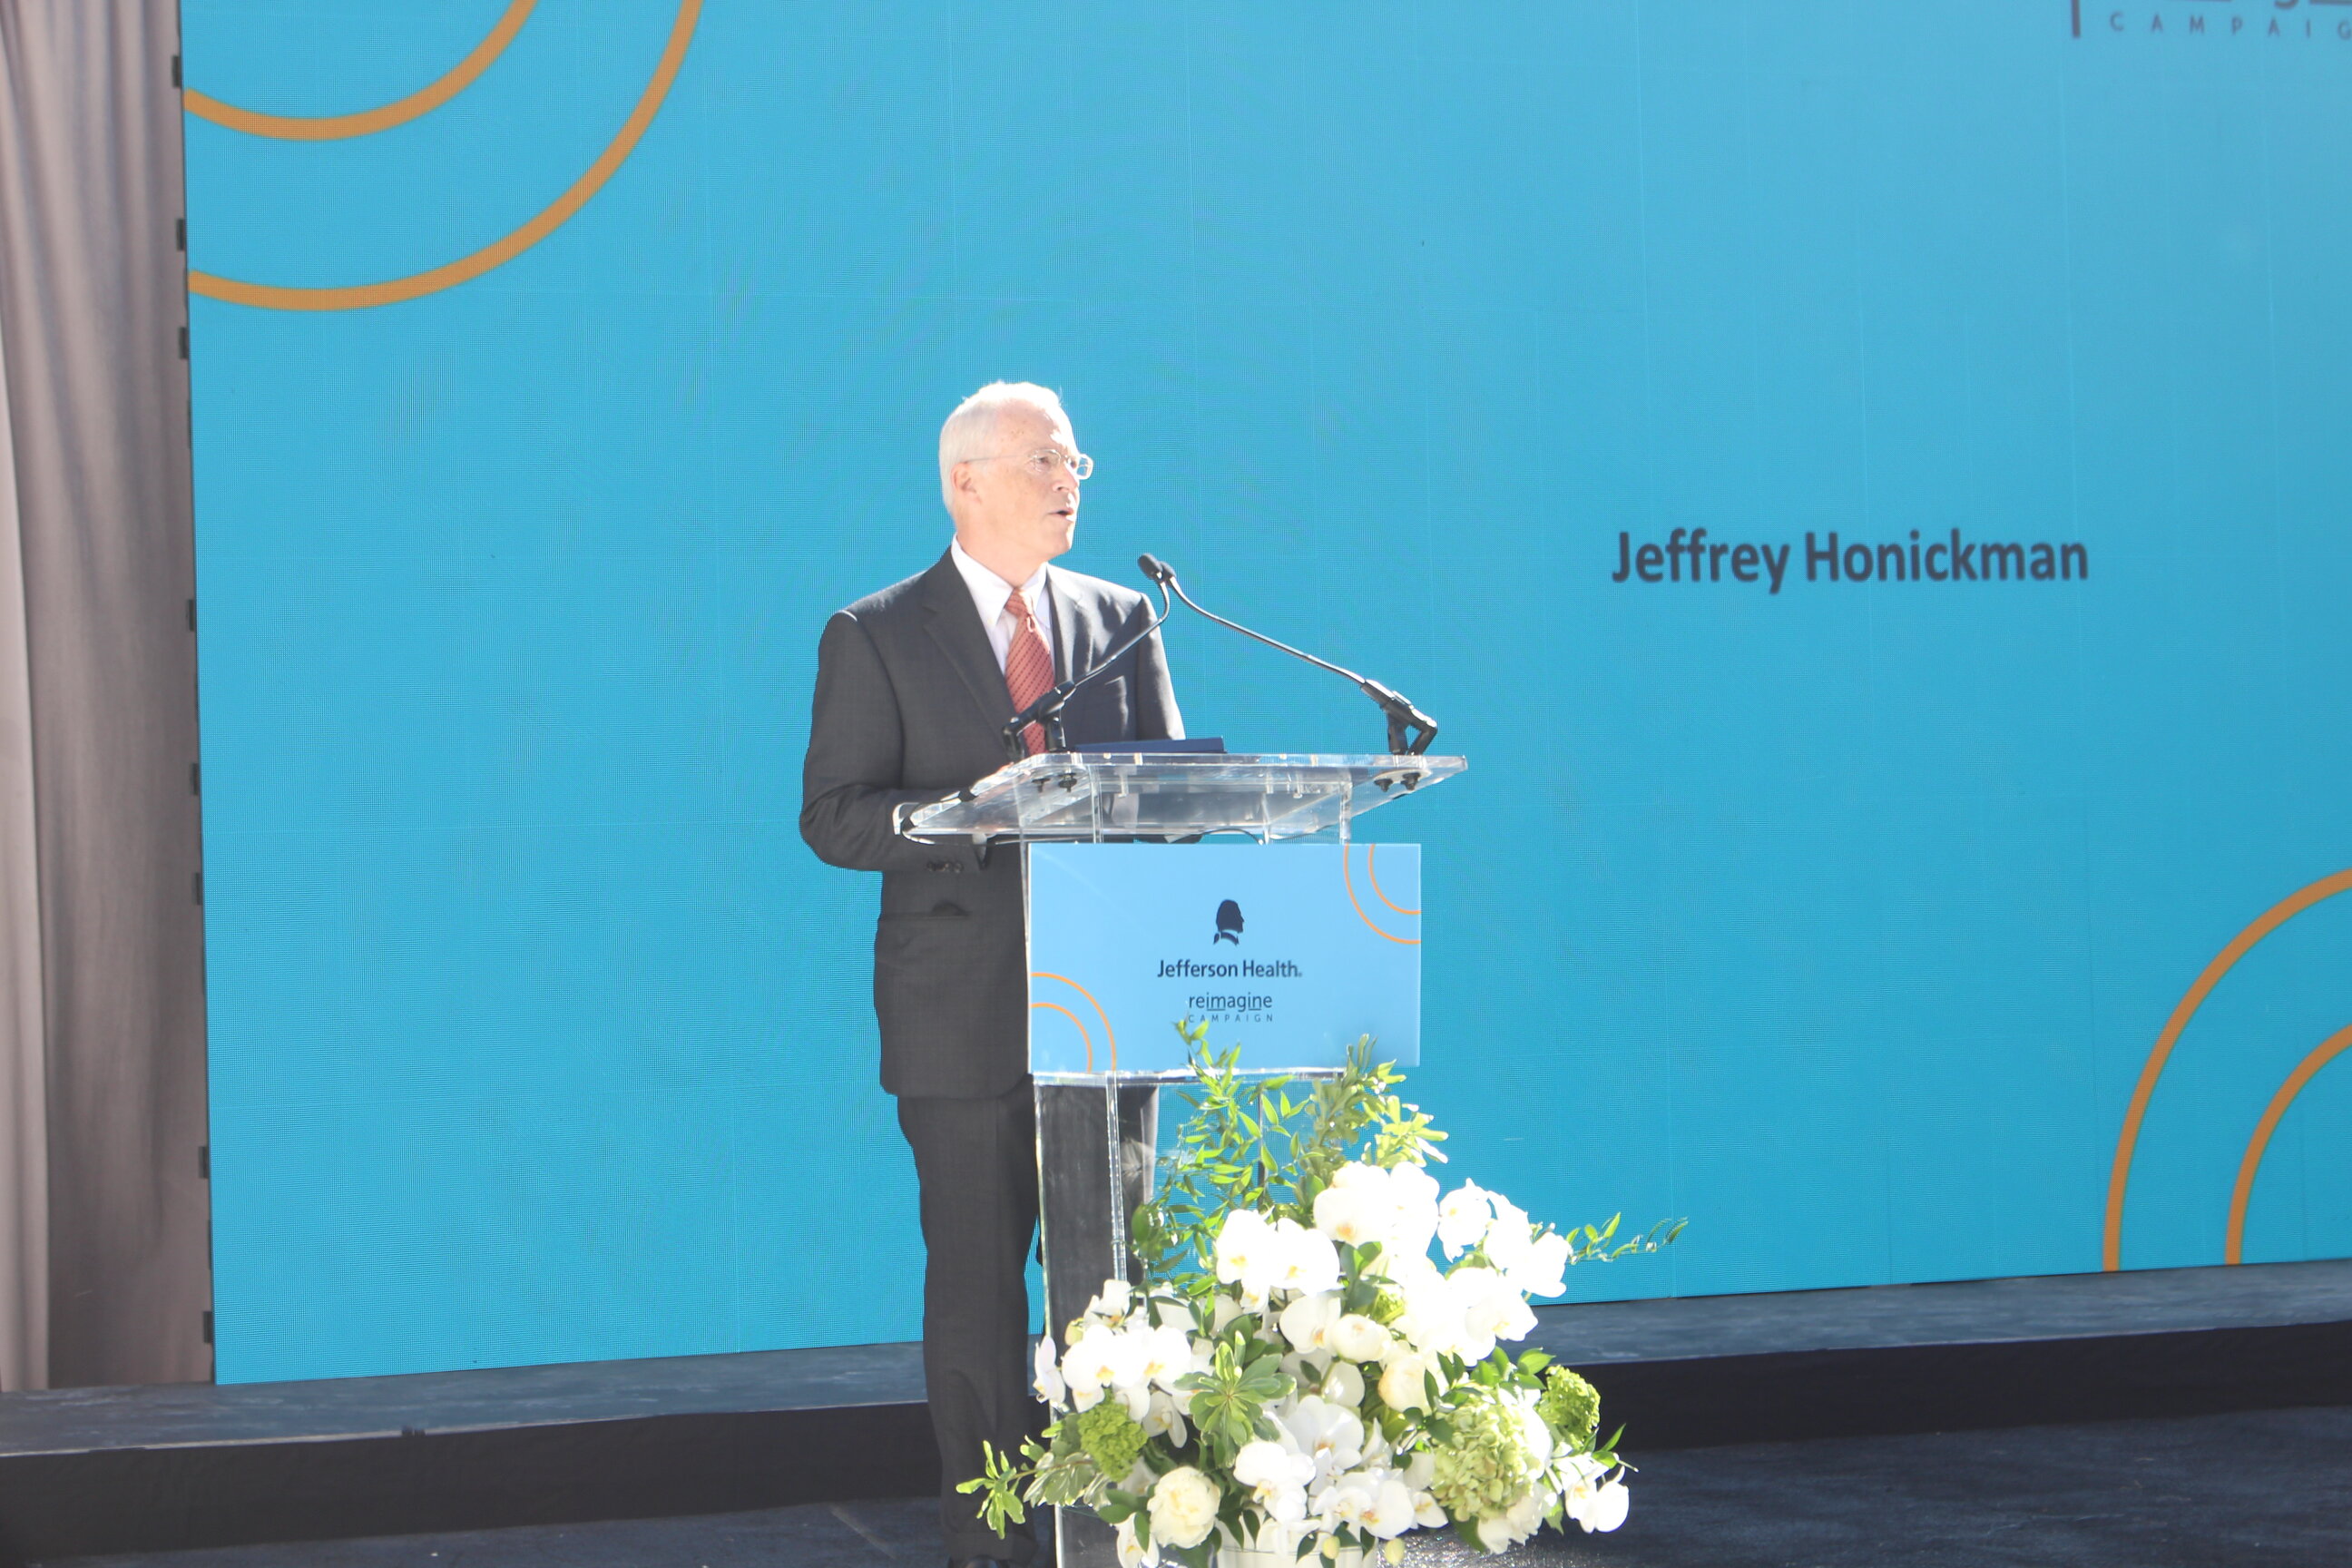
<point x="1045" y="461"/>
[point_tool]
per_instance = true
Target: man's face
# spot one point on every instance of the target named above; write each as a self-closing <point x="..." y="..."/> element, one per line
<point x="1025" y="498"/>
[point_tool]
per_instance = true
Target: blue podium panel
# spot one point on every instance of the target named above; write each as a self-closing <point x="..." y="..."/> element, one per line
<point x="1293" y="952"/>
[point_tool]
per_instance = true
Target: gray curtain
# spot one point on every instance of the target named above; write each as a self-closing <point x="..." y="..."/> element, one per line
<point x="104" y="1219"/>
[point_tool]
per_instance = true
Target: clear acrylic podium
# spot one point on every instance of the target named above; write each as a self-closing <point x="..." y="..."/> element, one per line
<point x="1097" y="1132"/>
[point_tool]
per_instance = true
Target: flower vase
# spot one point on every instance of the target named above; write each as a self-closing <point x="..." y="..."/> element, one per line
<point x="1251" y="1557"/>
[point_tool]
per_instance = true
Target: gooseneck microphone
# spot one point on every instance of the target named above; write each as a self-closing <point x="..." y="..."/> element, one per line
<point x="1047" y="710"/>
<point x="1403" y="716"/>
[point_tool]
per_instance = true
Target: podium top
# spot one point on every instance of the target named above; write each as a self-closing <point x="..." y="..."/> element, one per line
<point x="1068" y="795"/>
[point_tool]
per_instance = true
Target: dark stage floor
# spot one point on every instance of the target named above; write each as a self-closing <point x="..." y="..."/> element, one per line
<point x="2258" y="1487"/>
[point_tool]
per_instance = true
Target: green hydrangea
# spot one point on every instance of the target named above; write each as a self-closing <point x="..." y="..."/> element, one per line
<point x="1570" y="1407"/>
<point x="1481" y="1469"/>
<point x="1111" y="1438"/>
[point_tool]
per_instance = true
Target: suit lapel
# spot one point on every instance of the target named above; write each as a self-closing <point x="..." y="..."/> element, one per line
<point x="1074" y="645"/>
<point x="954" y="624"/>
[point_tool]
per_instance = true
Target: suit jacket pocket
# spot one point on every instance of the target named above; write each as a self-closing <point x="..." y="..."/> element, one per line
<point x="946" y="982"/>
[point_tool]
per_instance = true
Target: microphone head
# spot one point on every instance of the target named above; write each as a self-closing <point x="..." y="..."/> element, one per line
<point x="1152" y="568"/>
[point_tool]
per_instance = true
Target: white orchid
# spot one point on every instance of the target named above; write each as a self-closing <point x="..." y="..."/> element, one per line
<point x="1165" y="1353"/>
<point x="1245" y="1248"/>
<point x="1341" y="1473"/>
<point x="1105" y="1359"/>
<point x="1542" y="1270"/>
<point x="1353" y="1213"/>
<point x="1501" y="1532"/>
<point x="1277" y="1476"/>
<point x="1048" y="1380"/>
<point x="1111" y="1303"/>
<point x="1385" y="1508"/>
<point x="1330" y="1435"/>
<point x="1491" y="1309"/>
<point x="1132" y="1554"/>
<point x="1306" y="1323"/>
<point x="1184" y="1507"/>
<point x="1163" y="1416"/>
<point x="1463" y="1218"/>
<point x="1304" y="1260"/>
<point x="1601" y="1507"/>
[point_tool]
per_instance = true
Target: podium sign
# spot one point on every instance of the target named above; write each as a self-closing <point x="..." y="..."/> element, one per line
<point x="1293" y="952"/>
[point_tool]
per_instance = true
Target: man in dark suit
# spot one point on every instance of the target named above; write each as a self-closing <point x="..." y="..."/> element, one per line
<point x="915" y="685"/>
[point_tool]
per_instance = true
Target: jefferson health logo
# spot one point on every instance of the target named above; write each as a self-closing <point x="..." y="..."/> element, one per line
<point x="1230" y="1006"/>
<point x="2297" y="21"/>
<point x="1229" y="924"/>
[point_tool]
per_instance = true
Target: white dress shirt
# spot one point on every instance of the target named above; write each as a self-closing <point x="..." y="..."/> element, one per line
<point x="989" y="594"/>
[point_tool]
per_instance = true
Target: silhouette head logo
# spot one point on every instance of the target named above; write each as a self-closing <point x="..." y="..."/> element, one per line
<point x="1229" y="924"/>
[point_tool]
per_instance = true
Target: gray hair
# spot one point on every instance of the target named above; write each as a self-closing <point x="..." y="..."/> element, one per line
<point x="970" y="431"/>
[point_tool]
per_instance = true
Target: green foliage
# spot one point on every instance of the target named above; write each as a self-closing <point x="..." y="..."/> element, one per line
<point x="1569" y="1407"/>
<point x="1110" y="1438"/>
<point x="1229" y="1400"/>
<point x="1272" y="1145"/>
<point x="1482" y="1467"/>
<point x="1268" y="1144"/>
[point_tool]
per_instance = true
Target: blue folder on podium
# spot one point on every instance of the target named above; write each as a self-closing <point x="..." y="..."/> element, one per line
<point x="1161" y="889"/>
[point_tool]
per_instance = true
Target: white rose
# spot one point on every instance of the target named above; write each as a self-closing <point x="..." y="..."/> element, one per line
<point x="1343" y="1384"/>
<point x="1358" y="1338"/>
<point x="1184" y="1507"/>
<point x="1403" y="1385"/>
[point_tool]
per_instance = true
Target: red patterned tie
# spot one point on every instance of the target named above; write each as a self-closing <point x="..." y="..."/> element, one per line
<point x="1028" y="667"/>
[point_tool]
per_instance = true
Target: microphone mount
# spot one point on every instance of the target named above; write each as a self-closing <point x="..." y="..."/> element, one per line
<point x="1409" y="729"/>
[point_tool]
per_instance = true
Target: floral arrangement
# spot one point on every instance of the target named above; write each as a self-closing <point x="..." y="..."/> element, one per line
<point x="1298" y="1375"/>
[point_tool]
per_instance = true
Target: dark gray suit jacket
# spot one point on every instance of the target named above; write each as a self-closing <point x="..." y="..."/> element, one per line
<point x="910" y="706"/>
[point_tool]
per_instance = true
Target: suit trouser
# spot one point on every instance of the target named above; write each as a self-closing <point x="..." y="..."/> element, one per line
<point x="976" y="1161"/>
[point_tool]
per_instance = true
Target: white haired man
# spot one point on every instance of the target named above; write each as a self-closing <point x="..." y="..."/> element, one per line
<point x="914" y="687"/>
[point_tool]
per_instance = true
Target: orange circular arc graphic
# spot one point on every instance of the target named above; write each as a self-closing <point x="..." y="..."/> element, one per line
<point x="2234" y="1245"/>
<point x="336" y="127"/>
<point x="1073" y="1018"/>
<point x="2119" y="1176"/>
<point x="1110" y="1037"/>
<point x="1348" y="874"/>
<point x="1374" y="878"/>
<point x="397" y="290"/>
